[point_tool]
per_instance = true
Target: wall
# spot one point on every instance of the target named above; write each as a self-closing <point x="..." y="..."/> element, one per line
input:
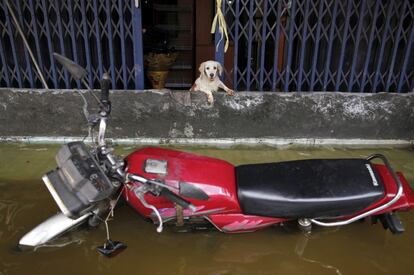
<point x="248" y="117"/>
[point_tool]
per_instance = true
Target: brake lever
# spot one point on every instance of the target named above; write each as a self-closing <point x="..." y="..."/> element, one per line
<point x="139" y="192"/>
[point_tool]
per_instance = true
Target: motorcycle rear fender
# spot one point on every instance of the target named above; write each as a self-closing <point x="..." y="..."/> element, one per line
<point x="404" y="203"/>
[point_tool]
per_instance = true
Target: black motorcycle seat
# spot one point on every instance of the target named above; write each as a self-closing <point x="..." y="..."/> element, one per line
<point x="308" y="188"/>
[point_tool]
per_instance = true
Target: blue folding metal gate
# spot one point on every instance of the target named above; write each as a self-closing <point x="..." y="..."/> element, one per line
<point x="101" y="35"/>
<point x="277" y="45"/>
<point x="320" y="45"/>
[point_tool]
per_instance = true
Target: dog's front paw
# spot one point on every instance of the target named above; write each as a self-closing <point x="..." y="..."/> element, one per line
<point x="210" y="99"/>
<point x="193" y="88"/>
<point x="230" y="92"/>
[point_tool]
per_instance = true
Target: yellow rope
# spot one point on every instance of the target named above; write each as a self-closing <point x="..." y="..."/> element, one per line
<point x="221" y="25"/>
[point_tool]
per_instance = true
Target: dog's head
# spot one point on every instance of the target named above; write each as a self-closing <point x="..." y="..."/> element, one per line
<point x="210" y="69"/>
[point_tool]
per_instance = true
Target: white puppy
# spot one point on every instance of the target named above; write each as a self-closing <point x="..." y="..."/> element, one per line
<point x="209" y="81"/>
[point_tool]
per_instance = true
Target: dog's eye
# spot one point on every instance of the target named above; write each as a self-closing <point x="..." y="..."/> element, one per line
<point x="215" y="68"/>
<point x="208" y="68"/>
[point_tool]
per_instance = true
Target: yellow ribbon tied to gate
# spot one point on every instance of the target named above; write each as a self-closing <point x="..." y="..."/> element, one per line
<point x="222" y="26"/>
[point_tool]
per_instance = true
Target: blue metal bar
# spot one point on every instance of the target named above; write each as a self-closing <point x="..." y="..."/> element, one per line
<point x="277" y="39"/>
<point x="4" y="63"/>
<point x="98" y="38"/>
<point x="249" y="45"/>
<point x="370" y="42"/>
<point x="380" y="56"/>
<point x="406" y="58"/>
<point x="36" y="36"/>
<point x="49" y="44"/>
<point x="26" y="53"/>
<point x="13" y="46"/>
<point x="86" y="41"/>
<point x="61" y="42"/>
<point x="343" y="47"/>
<point x="394" y="51"/>
<point x="73" y="37"/>
<point x="219" y="50"/>
<point x="236" y="45"/>
<point x="138" y="49"/>
<point x="122" y="34"/>
<point x="263" y="46"/>
<point x="358" y="40"/>
<point x="331" y="39"/>
<point x="316" y="47"/>
<point x="303" y="45"/>
<point x="412" y="85"/>
<point x="290" y="54"/>
<point x="111" y="48"/>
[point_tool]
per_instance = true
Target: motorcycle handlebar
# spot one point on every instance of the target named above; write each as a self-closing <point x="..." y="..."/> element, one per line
<point x="105" y="82"/>
<point x="164" y="192"/>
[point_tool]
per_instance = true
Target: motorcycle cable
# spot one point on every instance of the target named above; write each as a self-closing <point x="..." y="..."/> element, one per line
<point x="111" y="248"/>
<point x="89" y="89"/>
<point x="85" y="106"/>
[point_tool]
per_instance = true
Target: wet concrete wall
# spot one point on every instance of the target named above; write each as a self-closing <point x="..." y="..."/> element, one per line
<point x="171" y="115"/>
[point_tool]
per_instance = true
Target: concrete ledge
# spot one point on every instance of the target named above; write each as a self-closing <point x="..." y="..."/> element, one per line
<point x="280" y="143"/>
<point x="183" y="117"/>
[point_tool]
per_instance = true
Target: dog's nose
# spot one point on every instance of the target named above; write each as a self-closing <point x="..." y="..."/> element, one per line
<point x="211" y="75"/>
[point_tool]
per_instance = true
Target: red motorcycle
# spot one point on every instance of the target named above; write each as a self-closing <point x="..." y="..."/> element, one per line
<point x="190" y="191"/>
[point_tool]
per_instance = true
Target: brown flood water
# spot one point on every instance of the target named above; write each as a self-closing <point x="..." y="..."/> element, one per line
<point x="359" y="248"/>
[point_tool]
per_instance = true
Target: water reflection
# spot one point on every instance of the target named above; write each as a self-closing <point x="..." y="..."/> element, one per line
<point x="61" y="242"/>
<point x="9" y="210"/>
<point x="300" y="249"/>
<point x="359" y="248"/>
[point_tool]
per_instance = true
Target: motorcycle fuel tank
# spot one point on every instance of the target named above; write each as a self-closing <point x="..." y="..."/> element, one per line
<point x="184" y="172"/>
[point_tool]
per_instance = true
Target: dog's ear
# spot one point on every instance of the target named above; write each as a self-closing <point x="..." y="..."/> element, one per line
<point x="219" y="68"/>
<point x="201" y="68"/>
